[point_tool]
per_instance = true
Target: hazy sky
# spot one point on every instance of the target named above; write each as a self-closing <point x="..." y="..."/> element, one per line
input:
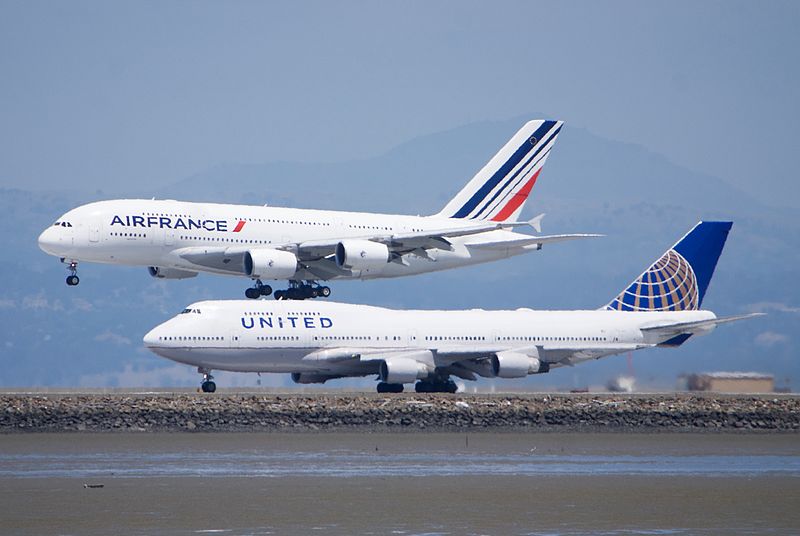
<point x="99" y="94"/>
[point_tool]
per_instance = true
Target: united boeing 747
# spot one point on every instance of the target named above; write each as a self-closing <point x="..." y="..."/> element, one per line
<point x="177" y="239"/>
<point x="317" y="342"/>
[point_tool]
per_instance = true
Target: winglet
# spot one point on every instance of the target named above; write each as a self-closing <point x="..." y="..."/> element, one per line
<point x="536" y="222"/>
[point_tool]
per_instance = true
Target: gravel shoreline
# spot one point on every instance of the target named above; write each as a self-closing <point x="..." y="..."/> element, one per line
<point x="408" y="412"/>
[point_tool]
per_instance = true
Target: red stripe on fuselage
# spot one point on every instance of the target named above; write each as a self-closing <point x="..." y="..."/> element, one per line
<point x="239" y="226"/>
<point x="517" y="199"/>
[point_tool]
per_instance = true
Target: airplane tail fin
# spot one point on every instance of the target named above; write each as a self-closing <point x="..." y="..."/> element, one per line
<point x="678" y="280"/>
<point x="499" y="190"/>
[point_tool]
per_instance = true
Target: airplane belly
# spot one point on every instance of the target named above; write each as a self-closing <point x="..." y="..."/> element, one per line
<point x="278" y="360"/>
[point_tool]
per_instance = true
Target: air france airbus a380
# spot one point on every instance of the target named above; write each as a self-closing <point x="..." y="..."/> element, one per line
<point x="176" y="240"/>
<point x="316" y="342"/>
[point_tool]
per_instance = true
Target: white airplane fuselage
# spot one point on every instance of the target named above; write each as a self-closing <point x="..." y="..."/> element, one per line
<point x="322" y="337"/>
<point x="158" y="232"/>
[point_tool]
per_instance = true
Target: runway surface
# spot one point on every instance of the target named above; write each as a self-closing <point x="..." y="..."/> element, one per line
<point x="400" y="483"/>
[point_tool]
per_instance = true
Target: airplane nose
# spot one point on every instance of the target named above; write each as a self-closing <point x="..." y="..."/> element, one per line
<point x="151" y="338"/>
<point x="48" y="240"/>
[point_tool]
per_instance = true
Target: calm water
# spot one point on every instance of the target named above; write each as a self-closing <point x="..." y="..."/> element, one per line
<point x="419" y="483"/>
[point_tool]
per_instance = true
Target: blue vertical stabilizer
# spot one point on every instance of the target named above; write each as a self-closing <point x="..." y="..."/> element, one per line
<point x="678" y="280"/>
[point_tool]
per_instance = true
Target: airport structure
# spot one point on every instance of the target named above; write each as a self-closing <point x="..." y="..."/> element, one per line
<point x="731" y="382"/>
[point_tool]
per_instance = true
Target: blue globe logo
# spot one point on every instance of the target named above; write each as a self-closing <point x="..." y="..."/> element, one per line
<point x="668" y="285"/>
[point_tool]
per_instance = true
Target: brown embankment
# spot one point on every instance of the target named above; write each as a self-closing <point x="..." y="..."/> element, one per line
<point x="259" y="412"/>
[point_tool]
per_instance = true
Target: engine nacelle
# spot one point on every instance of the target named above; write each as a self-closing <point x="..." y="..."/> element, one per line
<point x="169" y="273"/>
<point x="516" y="365"/>
<point x="305" y="377"/>
<point x="266" y="263"/>
<point x="361" y="255"/>
<point x="402" y="370"/>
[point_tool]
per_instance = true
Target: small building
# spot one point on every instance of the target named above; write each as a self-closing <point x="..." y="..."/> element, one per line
<point x="731" y="382"/>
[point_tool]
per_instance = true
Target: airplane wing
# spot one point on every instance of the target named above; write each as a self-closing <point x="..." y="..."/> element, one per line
<point x="529" y="241"/>
<point x="340" y="354"/>
<point x="401" y="243"/>
<point x="318" y="256"/>
<point x="464" y="362"/>
<point x="215" y="258"/>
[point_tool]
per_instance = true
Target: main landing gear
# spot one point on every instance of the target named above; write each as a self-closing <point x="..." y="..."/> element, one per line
<point x="260" y="289"/>
<point x="208" y="385"/>
<point x="302" y="291"/>
<point x="73" y="278"/>
<point x="384" y="387"/>
<point x="436" y="386"/>
<point x="296" y="291"/>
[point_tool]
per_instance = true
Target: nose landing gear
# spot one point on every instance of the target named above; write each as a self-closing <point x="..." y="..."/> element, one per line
<point x="73" y="278"/>
<point x="208" y="385"/>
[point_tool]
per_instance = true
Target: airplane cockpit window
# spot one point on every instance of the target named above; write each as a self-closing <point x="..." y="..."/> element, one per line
<point x="62" y="224"/>
<point x="195" y="311"/>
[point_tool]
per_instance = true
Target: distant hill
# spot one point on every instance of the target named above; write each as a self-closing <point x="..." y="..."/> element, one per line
<point x="54" y="335"/>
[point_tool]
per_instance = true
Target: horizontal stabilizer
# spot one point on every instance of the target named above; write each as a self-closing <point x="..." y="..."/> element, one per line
<point x="683" y="328"/>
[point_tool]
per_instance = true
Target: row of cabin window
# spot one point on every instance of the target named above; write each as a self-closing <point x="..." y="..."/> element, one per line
<point x="454" y="338"/>
<point x="290" y="222"/>
<point x="232" y="240"/>
<point x="165" y="214"/>
<point x="129" y="235"/>
<point x="290" y="313"/>
<point x="534" y="339"/>
<point x="350" y="338"/>
<point x="187" y="338"/>
<point x="279" y="338"/>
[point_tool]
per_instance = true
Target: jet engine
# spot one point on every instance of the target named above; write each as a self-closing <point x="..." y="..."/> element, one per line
<point x="266" y="263"/>
<point x="402" y="370"/>
<point x="516" y="365"/>
<point x="305" y="377"/>
<point x="361" y="255"/>
<point x="170" y="273"/>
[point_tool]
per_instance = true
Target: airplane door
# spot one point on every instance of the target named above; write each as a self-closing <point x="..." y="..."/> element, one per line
<point x="411" y="339"/>
<point x="169" y="237"/>
<point x="94" y="231"/>
<point x="496" y="336"/>
<point x="234" y="340"/>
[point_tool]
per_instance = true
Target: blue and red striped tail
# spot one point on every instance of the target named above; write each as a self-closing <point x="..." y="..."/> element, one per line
<point x="499" y="190"/>
<point x="678" y="280"/>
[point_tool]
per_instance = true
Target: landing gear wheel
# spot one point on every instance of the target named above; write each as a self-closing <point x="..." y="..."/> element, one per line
<point x="324" y="291"/>
<point x="448" y="386"/>
<point x="265" y="290"/>
<point x="208" y="386"/>
<point x="72" y="278"/>
<point x="280" y="294"/>
<point x="252" y="293"/>
<point x="384" y="387"/>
